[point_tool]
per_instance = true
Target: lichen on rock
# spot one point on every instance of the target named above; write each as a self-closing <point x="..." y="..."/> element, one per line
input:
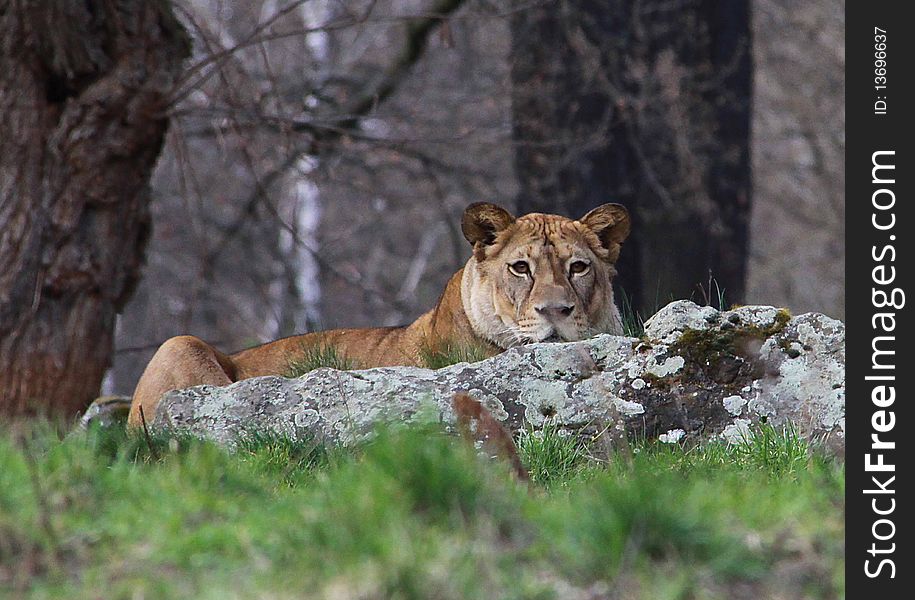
<point x="698" y="370"/>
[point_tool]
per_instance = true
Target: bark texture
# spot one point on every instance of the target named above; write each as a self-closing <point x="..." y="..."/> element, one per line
<point x="645" y="103"/>
<point x="83" y="92"/>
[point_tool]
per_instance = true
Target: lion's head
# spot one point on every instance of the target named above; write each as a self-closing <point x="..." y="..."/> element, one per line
<point x="541" y="277"/>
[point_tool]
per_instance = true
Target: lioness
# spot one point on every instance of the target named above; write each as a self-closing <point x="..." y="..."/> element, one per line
<point x="532" y="279"/>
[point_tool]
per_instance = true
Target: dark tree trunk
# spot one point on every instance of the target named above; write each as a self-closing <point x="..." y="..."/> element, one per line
<point x="83" y="93"/>
<point x="645" y="103"/>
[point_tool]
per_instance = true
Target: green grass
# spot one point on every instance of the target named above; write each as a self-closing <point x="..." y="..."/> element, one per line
<point x="550" y="457"/>
<point x="442" y="356"/>
<point x="317" y="357"/>
<point x="438" y="357"/>
<point x="414" y="514"/>
<point x="633" y="323"/>
<point x="709" y="294"/>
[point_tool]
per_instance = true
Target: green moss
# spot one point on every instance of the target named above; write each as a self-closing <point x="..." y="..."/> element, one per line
<point x="785" y="345"/>
<point x="705" y="342"/>
<point x="782" y="316"/>
<point x="657" y="383"/>
<point x="317" y="357"/>
<point x="708" y="346"/>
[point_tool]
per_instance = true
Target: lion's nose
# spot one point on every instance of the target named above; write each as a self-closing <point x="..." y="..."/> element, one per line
<point x="555" y="311"/>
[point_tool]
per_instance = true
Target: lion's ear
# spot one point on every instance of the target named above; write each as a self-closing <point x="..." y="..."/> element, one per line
<point x="482" y="221"/>
<point x="610" y="222"/>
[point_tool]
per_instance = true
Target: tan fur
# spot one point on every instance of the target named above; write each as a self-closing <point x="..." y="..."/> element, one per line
<point x="485" y="304"/>
<point x="477" y="424"/>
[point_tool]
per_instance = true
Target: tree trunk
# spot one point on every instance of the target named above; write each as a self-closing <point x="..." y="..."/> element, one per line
<point x="83" y="93"/>
<point x="647" y="104"/>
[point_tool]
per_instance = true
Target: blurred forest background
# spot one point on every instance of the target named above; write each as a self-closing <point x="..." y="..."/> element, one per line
<point x="319" y="154"/>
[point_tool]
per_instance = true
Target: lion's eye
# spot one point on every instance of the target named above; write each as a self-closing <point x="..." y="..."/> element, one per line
<point x="578" y="267"/>
<point x="519" y="268"/>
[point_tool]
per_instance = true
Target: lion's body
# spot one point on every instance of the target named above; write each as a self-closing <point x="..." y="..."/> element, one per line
<point x="489" y="304"/>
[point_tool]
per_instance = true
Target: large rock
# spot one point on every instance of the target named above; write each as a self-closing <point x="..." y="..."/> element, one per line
<point x="696" y="372"/>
